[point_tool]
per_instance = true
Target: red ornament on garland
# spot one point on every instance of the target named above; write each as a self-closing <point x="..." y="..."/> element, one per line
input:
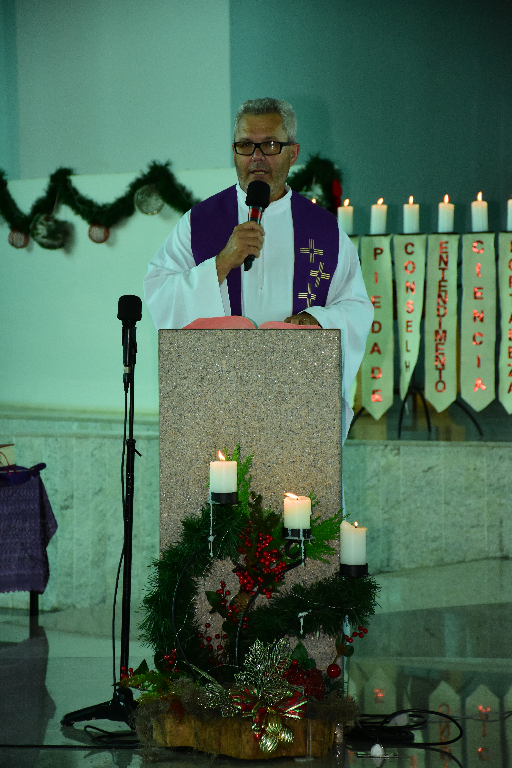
<point x="98" y="233"/>
<point x="18" y="239"/>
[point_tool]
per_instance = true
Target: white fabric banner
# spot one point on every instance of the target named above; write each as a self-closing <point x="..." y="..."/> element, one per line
<point x="478" y="320"/>
<point x="409" y="254"/>
<point x="505" y="292"/>
<point x="441" y="321"/>
<point x="353" y="389"/>
<point x="377" y="365"/>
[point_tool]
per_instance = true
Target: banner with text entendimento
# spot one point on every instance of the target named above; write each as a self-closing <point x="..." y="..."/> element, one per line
<point x="409" y="253"/>
<point x="377" y="365"/>
<point x="441" y="321"/>
<point x="478" y="319"/>
<point x="505" y="293"/>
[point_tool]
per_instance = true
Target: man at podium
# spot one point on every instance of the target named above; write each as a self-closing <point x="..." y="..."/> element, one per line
<point x="306" y="270"/>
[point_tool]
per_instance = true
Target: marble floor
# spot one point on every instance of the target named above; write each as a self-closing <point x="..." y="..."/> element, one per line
<point x="61" y="668"/>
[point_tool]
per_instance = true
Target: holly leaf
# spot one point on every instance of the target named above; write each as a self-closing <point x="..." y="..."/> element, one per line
<point x="349" y="650"/>
<point x="301" y="656"/>
<point x="142" y="669"/>
<point x="215" y="601"/>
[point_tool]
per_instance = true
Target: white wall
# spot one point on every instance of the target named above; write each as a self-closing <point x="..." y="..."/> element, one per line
<point x="60" y="346"/>
<point x="106" y="86"/>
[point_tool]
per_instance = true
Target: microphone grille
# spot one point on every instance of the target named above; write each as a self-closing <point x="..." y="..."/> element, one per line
<point x="258" y="194"/>
<point x="129" y="310"/>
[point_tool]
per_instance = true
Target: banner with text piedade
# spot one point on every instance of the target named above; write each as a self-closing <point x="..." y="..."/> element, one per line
<point x="409" y="253"/>
<point x="441" y="321"/>
<point x="505" y="293"/>
<point x="478" y="320"/>
<point x="377" y="365"/>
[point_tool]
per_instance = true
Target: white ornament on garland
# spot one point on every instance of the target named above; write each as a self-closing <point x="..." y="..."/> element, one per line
<point x="98" y="233"/>
<point x="18" y="239"/>
<point x="49" y="232"/>
<point x="148" y="200"/>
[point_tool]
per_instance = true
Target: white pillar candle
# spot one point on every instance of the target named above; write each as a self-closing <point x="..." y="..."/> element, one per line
<point x="479" y="214"/>
<point x="509" y="215"/>
<point x="352" y="544"/>
<point x="445" y="216"/>
<point x="297" y="511"/>
<point x="378" y="218"/>
<point x="346" y="218"/>
<point x="223" y="476"/>
<point x="411" y="217"/>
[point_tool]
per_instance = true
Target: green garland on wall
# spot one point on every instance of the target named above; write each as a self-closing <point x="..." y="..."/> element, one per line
<point x="319" y="178"/>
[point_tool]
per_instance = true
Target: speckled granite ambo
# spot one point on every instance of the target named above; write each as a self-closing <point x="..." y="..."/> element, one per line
<point x="275" y="392"/>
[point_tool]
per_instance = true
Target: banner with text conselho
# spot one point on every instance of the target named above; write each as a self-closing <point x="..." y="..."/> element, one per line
<point x="478" y="319"/>
<point x="505" y="289"/>
<point x="377" y="365"/>
<point x="409" y="252"/>
<point x="441" y="321"/>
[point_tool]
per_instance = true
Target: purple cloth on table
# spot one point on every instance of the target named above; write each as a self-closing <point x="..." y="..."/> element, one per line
<point x="27" y="524"/>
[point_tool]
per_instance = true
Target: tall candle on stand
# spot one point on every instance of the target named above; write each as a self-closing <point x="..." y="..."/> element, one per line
<point x="445" y="216"/>
<point x="352" y="544"/>
<point x="223" y="475"/>
<point x="509" y="215"/>
<point x="297" y="511"/>
<point x="411" y="217"/>
<point x="378" y="218"/>
<point x="479" y="214"/>
<point x="346" y="217"/>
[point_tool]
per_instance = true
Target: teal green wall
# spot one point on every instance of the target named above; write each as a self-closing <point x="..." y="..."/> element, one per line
<point x="9" y="146"/>
<point x="407" y="98"/>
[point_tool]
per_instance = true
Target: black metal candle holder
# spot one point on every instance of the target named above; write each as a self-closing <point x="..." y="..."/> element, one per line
<point x="231" y="497"/>
<point x="296" y="533"/>
<point x="354" y="571"/>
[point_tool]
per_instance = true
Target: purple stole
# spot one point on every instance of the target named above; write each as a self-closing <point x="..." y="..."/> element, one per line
<point x="316" y="245"/>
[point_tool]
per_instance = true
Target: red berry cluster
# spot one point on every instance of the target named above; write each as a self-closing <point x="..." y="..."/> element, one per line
<point x="263" y="566"/>
<point x="125" y="673"/>
<point x="361" y="632"/>
<point x="310" y="679"/>
<point x="170" y="661"/>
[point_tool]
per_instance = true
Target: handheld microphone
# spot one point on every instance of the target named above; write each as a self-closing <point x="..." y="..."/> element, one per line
<point x="129" y="311"/>
<point x="258" y="198"/>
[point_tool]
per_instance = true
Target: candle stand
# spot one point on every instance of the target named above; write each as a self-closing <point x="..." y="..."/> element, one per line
<point x="293" y="536"/>
<point x="353" y="571"/>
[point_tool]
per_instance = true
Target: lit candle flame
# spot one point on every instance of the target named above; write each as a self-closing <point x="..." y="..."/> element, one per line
<point x="356" y="524"/>
<point x="446" y="199"/>
<point x="291" y="495"/>
<point x="479" y="197"/>
<point x="380" y="201"/>
<point x="313" y="200"/>
<point x="347" y="201"/>
<point x="221" y="456"/>
<point x="411" y="200"/>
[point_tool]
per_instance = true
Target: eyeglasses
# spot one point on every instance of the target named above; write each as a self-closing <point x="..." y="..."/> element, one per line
<point x="266" y="147"/>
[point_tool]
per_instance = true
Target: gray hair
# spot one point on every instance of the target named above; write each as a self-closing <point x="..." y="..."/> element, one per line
<point x="268" y="106"/>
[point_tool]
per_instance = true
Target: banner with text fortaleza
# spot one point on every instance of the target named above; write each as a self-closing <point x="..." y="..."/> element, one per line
<point x="377" y="365"/>
<point x="409" y="252"/>
<point x="505" y="292"/>
<point x="478" y="319"/>
<point x="441" y="321"/>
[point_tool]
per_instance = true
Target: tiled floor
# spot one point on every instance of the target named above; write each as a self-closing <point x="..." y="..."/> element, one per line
<point x="55" y="672"/>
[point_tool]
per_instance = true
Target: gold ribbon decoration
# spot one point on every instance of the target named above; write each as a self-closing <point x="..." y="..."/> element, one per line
<point x="268" y="726"/>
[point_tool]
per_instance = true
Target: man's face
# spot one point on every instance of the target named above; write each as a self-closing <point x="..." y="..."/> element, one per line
<point x="270" y="168"/>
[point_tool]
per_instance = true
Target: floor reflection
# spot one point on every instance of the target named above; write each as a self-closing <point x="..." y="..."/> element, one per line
<point x="55" y="672"/>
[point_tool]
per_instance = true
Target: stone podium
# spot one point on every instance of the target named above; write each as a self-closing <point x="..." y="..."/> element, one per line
<point x="276" y="393"/>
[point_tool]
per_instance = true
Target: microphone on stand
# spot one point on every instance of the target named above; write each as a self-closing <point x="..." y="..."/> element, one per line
<point x="129" y="311"/>
<point x="258" y="198"/>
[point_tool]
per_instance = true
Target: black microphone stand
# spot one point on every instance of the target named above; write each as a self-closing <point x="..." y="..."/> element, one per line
<point x="122" y="705"/>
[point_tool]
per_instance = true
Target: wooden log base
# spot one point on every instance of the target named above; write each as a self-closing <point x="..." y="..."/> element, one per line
<point x="234" y="737"/>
